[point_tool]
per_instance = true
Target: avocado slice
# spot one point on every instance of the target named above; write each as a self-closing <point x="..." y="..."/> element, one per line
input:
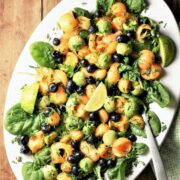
<point x="28" y="97"/>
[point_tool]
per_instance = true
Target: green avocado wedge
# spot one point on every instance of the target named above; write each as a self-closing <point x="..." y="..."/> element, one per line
<point x="28" y="97"/>
<point x="167" y="50"/>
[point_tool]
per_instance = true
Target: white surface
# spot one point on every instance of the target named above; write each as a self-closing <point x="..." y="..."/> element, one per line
<point x="158" y="10"/>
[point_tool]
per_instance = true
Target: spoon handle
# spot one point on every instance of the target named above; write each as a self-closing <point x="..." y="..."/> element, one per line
<point x="156" y="158"/>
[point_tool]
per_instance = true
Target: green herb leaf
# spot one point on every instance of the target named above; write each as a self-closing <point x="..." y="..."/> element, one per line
<point x="104" y="5"/>
<point x="19" y="122"/>
<point x="82" y="12"/>
<point x="67" y="69"/>
<point x="136" y="6"/>
<point x="41" y="53"/>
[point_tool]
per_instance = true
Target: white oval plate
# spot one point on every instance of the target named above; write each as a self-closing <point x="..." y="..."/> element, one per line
<point x="157" y="10"/>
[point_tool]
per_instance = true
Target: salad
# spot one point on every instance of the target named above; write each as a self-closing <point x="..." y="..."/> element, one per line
<point x="82" y="116"/>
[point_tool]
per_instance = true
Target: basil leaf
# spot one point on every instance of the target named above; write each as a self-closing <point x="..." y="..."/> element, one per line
<point x="41" y="53"/>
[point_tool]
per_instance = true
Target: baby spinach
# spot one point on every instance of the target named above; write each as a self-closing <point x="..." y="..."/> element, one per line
<point x="154" y="122"/>
<point x="104" y="5"/>
<point x="158" y="93"/>
<point x="42" y="54"/>
<point x="82" y="12"/>
<point x="137" y="130"/>
<point x="140" y="149"/>
<point x="42" y="157"/>
<point x="118" y="172"/>
<point x="19" y="122"/>
<point x="136" y="6"/>
<point x="31" y="172"/>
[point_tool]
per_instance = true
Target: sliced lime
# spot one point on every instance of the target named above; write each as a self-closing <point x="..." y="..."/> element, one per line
<point x="167" y="50"/>
<point x="28" y="97"/>
<point x="97" y="99"/>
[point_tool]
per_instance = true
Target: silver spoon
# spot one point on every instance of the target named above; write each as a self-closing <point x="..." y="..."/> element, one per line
<point x="156" y="158"/>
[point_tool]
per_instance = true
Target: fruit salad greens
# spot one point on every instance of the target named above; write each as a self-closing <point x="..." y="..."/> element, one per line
<point x="82" y="115"/>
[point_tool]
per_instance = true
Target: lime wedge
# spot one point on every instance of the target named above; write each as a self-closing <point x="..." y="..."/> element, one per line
<point x="28" y="97"/>
<point x="97" y="99"/>
<point x="167" y="50"/>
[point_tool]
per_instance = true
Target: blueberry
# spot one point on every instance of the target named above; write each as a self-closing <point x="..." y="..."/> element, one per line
<point x="113" y="90"/>
<point x="115" y="117"/>
<point x="92" y="139"/>
<point x="91" y="68"/>
<point x="24" y="149"/>
<point x="84" y="63"/>
<point x="95" y="123"/>
<point x="47" y="111"/>
<point x="46" y="128"/>
<point x="56" y="54"/>
<point x="111" y="163"/>
<point x="117" y="57"/>
<point x="24" y="139"/>
<point x="93" y="116"/>
<point x="75" y="145"/>
<point x="123" y="38"/>
<point x="53" y="87"/>
<point x="103" y="163"/>
<point x="71" y="159"/>
<point x="71" y="86"/>
<point x="92" y="29"/>
<point x="60" y="59"/>
<point x="75" y="170"/>
<point x="91" y="80"/>
<point x="62" y="108"/>
<point x="80" y="90"/>
<point x="78" y="156"/>
<point x="56" y="41"/>
<point x="98" y="14"/>
<point x="132" y="137"/>
<point x="131" y="34"/>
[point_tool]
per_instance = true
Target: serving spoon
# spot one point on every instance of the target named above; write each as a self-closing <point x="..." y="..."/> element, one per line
<point x="155" y="155"/>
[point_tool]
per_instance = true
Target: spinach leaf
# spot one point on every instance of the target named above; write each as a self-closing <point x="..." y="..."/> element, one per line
<point x="97" y="172"/>
<point x="118" y="172"/>
<point x="104" y="5"/>
<point x="19" y="122"/>
<point x="136" y="6"/>
<point x="124" y="67"/>
<point x="154" y="122"/>
<point x="31" y="172"/>
<point x="82" y="12"/>
<point x="137" y="130"/>
<point x="158" y="93"/>
<point x="42" y="157"/>
<point x="140" y="149"/>
<point x="41" y="53"/>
